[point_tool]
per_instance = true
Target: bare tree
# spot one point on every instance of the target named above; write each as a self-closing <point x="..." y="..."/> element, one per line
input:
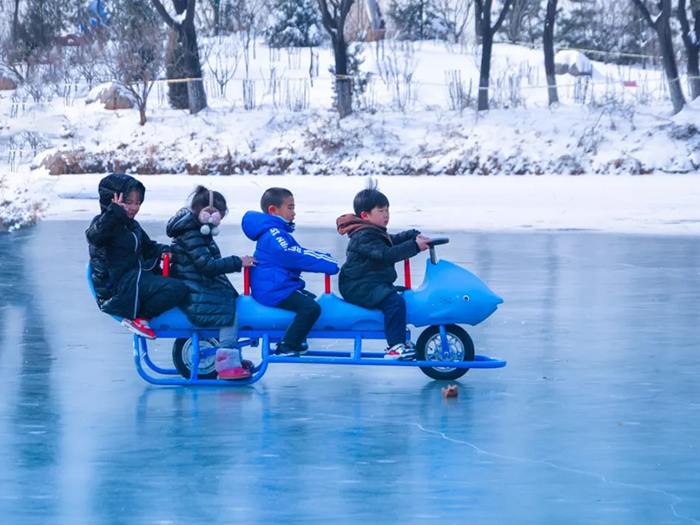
<point x="183" y="57"/>
<point x="135" y="63"/>
<point x="483" y="10"/>
<point x="548" y="41"/>
<point x="222" y="56"/>
<point x="691" y="41"/>
<point x="661" y="23"/>
<point x="334" y="14"/>
<point x="456" y="14"/>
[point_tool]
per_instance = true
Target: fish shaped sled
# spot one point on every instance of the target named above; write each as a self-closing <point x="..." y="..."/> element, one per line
<point x="448" y="297"/>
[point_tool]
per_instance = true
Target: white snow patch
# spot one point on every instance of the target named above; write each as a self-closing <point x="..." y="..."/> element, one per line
<point x="660" y="204"/>
<point x="22" y="199"/>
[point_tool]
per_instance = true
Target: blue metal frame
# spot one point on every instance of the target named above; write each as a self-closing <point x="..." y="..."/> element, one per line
<point x="354" y="357"/>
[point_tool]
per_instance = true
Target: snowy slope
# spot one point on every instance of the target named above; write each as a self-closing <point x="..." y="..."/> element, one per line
<point x="600" y="127"/>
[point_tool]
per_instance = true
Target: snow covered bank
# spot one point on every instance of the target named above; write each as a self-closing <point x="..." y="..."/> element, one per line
<point x="616" y="121"/>
<point x="567" y="140"/>
<point x="22" y="201"/>
<point x="660" y="204"/>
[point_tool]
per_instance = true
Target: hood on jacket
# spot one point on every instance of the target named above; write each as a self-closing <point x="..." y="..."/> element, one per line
<point x="349" y="224"/>
<point x="255" y="223"/>
<point x="118" y="183"/>
<point x="183" y="221"/>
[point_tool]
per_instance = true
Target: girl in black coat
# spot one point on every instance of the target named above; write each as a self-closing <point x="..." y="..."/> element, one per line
<point x="124" y="260"/>
<point x="197" y="261"/>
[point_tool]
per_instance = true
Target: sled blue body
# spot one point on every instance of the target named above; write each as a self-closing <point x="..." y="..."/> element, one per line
<point x="449" y="295"/>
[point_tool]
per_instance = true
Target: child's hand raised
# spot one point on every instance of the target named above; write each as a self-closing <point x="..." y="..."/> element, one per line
<point x="117" y="199"/>
<point x="423" y="242"/>
<point x="248" y="261"/>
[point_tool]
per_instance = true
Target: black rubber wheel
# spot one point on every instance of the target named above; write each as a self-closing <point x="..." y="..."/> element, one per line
<point x="429" y="345"/>
<point x="182" y="358"/>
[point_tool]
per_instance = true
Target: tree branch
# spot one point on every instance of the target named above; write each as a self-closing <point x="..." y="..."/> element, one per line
<point x="645" y="12"/>
<point x="328" y="21"/>
<point x="164" y="14"/>
<point x="501" y="18"/>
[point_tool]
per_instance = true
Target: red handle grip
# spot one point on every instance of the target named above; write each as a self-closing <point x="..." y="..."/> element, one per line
<point x="407" y="273"/>
<point x="328" y="284"/>
<point x="166" y="264"/>
<point x="246" y="281"/>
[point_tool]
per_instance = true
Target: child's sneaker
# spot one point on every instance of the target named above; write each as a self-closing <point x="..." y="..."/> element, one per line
<point x="233" y="374"/>
<point x="288" y="350"/>
<point x="139" y="327"/>
<point x="400" y="352"/>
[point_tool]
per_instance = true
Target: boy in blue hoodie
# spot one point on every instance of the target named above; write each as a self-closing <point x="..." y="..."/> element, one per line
<point x="276" y="280"/>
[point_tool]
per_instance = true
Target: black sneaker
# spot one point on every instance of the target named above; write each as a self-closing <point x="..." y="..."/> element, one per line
<point x="288" y="350"/>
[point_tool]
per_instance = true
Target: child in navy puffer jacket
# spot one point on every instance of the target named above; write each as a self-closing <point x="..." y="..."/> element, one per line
<point x="276" y="280"/>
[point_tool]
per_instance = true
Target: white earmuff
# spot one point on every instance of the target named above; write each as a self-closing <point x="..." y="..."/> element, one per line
<point x="207" y="229"/>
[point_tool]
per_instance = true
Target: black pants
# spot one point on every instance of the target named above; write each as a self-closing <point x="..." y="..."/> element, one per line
<point x="308" y="312"/>
<point x="158" y="294"/>
<point x="394" y="310"/>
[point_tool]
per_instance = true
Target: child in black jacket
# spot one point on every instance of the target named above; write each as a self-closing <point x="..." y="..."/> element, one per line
<point x="368" y="275"/>
<point x="197" y="261"/>
<point x="124" y="260"/>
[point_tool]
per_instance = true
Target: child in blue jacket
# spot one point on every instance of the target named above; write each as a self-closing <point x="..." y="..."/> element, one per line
<point x="276" y="280"/>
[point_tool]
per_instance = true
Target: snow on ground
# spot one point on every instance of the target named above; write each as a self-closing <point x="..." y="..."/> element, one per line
<point x="616" y="129"/>
<point x="660" y="204"/>
<point x="23" y="200"/>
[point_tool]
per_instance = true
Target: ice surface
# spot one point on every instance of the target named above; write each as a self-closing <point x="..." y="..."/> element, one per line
<point x="595" y="419"/>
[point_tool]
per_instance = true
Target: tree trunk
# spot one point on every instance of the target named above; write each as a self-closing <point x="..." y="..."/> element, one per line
<point x="217" y="17"/>
<point x="548" y="41"/>
<point x="477" y="22"/>
<point x="694" y="72"/>
<point x="196" y="95"/>
<point x="669" y="60"/>
<point x="183" y="61"/>
<point x="485" y="71"/>
<point x="174" y="70"/>
<point x="343" y="86"/>
<point x="15" y="23"/>
<point x="692" y="43"/>
<point x="662" y="25"/>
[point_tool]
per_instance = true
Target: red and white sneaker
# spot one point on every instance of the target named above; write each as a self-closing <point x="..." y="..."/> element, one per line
<point x="139" y="327"/>
<point x="400" y="352"/>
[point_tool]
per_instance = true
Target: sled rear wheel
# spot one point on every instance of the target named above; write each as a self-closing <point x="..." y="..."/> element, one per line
<point x="429" y="348"/>
<point x="182" y="357"/>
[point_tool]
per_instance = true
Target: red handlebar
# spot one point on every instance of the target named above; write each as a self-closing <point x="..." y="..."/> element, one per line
<point x="246" y="281"/>
<point x="407" y="273"/>
<point x="166" y="264"/>
<point x="328" y="284"/>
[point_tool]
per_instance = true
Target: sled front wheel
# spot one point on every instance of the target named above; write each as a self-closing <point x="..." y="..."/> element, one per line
<point x="429" y="348"/>
<point x="182" y="357"/>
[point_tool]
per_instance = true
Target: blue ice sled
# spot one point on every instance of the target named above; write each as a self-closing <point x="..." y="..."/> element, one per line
<point x="448" y="296"/>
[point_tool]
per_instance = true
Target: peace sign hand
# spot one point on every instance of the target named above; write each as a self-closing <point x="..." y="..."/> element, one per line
<point x="117" y="199"/>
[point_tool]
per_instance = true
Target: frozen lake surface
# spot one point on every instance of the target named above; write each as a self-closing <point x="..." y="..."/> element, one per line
<point x="596" y="418"/>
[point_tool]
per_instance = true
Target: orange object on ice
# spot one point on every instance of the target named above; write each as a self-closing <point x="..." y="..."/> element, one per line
<point x="450" y="391"/>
